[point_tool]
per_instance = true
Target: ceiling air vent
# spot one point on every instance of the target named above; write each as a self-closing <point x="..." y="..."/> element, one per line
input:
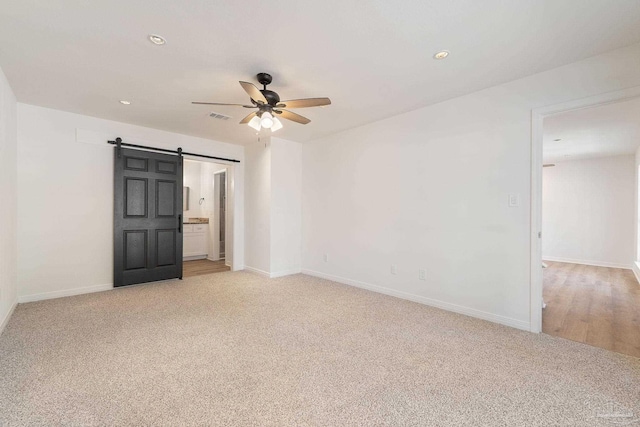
<point x="218" y="116"/>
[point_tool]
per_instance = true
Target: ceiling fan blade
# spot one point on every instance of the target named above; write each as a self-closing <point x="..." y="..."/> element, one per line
<point x="254" y="92"/>
<point x="292" y="116"/>
<point x="248" y="118"/>
<point x="304" y="103"/>
<point x="220" y="103"/>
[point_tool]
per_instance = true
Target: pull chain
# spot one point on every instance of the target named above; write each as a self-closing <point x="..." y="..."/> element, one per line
<point x="260" y="139"/>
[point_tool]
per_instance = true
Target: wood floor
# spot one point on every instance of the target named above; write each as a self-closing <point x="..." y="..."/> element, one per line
<point x="595" y="305"/>
<point x="202" y="266"/>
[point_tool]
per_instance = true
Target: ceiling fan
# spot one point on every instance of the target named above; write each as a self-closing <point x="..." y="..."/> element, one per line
<point x="270" y="107"/>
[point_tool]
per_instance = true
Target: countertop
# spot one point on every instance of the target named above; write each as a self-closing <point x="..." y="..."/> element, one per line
<point x="197" y="221"/>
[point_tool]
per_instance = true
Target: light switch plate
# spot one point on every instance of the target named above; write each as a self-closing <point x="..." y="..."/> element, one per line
<point x="514" y="200"/>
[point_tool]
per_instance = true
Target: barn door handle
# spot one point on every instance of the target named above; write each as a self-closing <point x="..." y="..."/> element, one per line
<point x="179" y="223"/>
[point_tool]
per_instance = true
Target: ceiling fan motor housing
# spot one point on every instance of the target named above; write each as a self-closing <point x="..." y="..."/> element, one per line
<point x="264" y="79"/>
<point x="272" y="97"/>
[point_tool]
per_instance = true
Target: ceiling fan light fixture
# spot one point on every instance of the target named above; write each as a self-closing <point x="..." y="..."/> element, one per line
<point x="266" y="120"/>
<point x="267" y="102"/>
<point x="255" y="123"/>
<point x="277" y="125"/>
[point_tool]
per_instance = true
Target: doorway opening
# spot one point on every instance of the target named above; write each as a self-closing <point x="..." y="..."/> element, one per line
<point x="585" y="184"/>
<point x="205" y="213"/>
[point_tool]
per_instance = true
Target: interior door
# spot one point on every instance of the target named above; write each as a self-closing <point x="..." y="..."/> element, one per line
<point x="147" y="217"/>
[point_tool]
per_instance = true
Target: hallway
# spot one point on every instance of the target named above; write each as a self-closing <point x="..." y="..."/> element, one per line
<point x="598" y="306"/>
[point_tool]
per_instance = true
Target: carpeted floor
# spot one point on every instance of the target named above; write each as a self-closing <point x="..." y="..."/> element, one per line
<point x="237" y="349"/>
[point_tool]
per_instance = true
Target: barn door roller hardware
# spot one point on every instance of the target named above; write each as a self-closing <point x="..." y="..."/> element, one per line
<point x="118" y="143"/>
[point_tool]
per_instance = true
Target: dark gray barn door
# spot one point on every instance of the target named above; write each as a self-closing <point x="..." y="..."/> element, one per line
<point x="147" y="217"/>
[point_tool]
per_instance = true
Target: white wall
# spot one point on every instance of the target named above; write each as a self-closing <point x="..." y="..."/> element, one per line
<point x="65" y="207"/>
<point x="636" y="265"/>
<point x="286" y="207"/>
<point x="274" y="203"/>
<point x="588" y="211"/>
<point x="258" y="208"/>
<point x="8" y="201"/>
<point x="429" y="189"/>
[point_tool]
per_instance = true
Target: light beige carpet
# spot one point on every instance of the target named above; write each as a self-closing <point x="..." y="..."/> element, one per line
<point x="237" y="349"/>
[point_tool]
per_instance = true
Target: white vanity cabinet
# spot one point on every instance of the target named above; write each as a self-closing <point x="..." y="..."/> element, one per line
<point x="195" y="241"/>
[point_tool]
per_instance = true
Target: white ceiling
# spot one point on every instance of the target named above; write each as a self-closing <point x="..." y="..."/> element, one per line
<point x="601" y="131"/>
<point x="373" y="58"/>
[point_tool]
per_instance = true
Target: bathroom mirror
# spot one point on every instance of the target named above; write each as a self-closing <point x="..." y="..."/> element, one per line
<point x="185" y="198"/>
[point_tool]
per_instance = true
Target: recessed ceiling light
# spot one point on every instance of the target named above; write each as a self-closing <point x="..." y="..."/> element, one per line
<point x="156" y="39"/>
<point x="441" y="55"/>
<point x="559" y="139"/>
<point x="123" y="102"/>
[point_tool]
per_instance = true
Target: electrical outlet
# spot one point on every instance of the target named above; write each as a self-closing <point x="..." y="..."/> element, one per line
<point x="394" y="269"/>
<point x="326" y="257"/>
<point x="422" y="275"/>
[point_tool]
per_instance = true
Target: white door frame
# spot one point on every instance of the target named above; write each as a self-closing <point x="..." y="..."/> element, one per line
<point x="537" y="119"/>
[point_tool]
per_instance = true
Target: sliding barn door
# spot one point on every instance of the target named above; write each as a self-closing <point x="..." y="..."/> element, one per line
<point x="147" y="217"/>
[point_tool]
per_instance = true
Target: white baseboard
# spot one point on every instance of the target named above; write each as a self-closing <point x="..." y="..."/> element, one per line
<point x="64" y="293"/>
<point x="587" y="262"/>
<point x="212" y="259"/>
<point x="193" y="257"/>
<point x="272" y="275"/>
<point x="5" y="321"/>
<point x="636" y="270"/>
<point x="257" y="271"/>
<point x="495" y="318"/>
<point x="284" y="273"/>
